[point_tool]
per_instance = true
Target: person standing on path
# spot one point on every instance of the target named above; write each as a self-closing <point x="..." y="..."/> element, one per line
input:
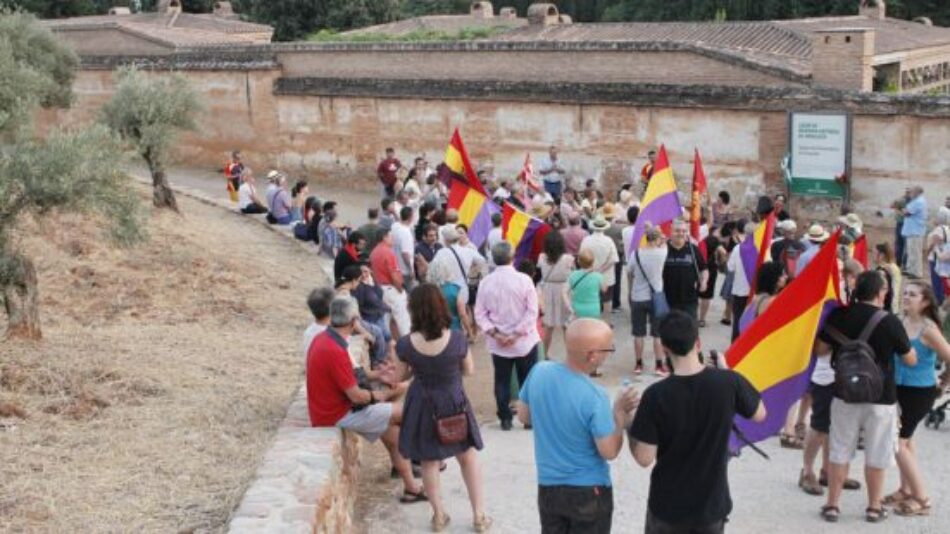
<point x="386" y="172"/>
<point x="575" y="432"/>
<point x="605" y="256"/>
<point x="404" y="245"/>
<point x="556" y="266"/>
<point x="438" y="356"/>
<point x="683" y="424"/>
<point x="684" y="272"/>
<point x="386" y="272"/>
<point x="878" y="418"/>
<point x="913" y="231"/>
<point x="552" y="174"/>
<point x="506" y="309"/>
<point x="646" y="276"/>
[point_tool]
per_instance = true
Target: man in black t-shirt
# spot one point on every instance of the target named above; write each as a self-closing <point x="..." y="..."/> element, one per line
<point x="684" y="273"/>
<point x="878" y="420"/>
<point x="683" y="423"/>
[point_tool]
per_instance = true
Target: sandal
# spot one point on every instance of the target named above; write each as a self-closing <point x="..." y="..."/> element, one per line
<point x="830" y="513"/>
<point x="912" y="506"/>
<point x="800" y="431"/>
<point x="439" y="523"/>
<point x="850" y="484"/>
<point x="702" y="323"/>
<point x="482" y="524"/>
<point x="788" y="441"/>
<point x="875" y="515"/>
<point x="409" y="497"/>
<point x="895" y="498"/>
<point x="810" y="487"/>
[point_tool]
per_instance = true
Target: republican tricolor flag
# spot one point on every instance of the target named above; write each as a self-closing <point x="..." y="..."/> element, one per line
<point x="660" y="204"/>
<point x="524" y="232"/>
<point x="475" y="210"/>
<point x="754" y="250"/>
<point x="457" y="166"/>
<point x="699" y="191"/>
<point x="775" y="352"/>
<point x="859" y="250"/>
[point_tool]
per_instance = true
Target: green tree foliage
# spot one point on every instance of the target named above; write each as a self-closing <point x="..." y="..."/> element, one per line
<point x="68" y="171"/>
<point x="295" y="19"/>
<point x="149" y="113"/>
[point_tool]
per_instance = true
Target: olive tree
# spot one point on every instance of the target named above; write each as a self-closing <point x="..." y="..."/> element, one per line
<point x="149" y="112"/>
<point x="68" y="171"/>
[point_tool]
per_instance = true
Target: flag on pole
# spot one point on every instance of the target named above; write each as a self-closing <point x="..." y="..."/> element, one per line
<point x="660" y="204"/>
<point x="699" y="191"/>
<point x="458" y="166"/>
<point x="775" y="353"/>
<point x="475" y="210"/>
<point x="754" y="250"/>
<point x="526" y="176"/>
<point x="524" y="232"/>
<point x="859" y="250"/>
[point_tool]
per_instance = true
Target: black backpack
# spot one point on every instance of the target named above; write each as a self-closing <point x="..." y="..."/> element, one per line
<point x="858" y="379"/>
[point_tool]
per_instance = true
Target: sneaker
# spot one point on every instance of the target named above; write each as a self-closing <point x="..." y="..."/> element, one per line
<point x="638" y="369"/>
<point x="661" y="371"/>
<point x="506" y="424"/>
<point x="616" y="310"/>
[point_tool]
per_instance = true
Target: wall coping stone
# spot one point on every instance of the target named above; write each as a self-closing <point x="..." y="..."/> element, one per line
<point x="665" y="95"/>
<point x="206" y="59"/>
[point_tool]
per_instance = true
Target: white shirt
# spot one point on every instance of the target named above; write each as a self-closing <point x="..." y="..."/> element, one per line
<point x="245" y="195"/>
<point x="312" y="331"/>
<point x="470" y="259"/>
<point x="652" y="260"/>
<point x="403" y="242"/>
<point x="740" y="286"/>
<point x="824" y="374"/>
<point x="494" y="237"/>
<point x="501" y="194"/>
<point x="605" y="255"/>
<point x="553" y="176"/>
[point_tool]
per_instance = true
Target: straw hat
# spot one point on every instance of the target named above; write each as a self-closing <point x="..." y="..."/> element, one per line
<point x="817" y="233"/>
<point x="600" y="224"/>
<point x="788" y="225"/>
<point x="852" y="221"/>
<point x="609" y="211"/>
<point x="274" y="175"/>
<point x="540" y="208"/>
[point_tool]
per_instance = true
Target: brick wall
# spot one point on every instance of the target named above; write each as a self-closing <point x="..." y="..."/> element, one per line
<point x="841" y="59"/>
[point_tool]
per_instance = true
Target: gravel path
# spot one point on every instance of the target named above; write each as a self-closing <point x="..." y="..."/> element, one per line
<point x="766" y="497"/>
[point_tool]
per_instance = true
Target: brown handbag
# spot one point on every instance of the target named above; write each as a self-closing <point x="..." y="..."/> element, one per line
<point x="451" y="429"/>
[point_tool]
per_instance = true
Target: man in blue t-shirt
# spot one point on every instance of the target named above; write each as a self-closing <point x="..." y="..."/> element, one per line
<point x="575" y="431"/>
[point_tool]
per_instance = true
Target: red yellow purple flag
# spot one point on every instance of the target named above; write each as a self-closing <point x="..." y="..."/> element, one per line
<point x="859" y="250"/>
<point x="755" y="250"/>
<point x="775" y="352"/>
<point x="524" y="232"/>
<point x="660" y="204"/>
<point x="458" y="166"/>
<point x="699" y="191"/>
<point x="475" y="210"/>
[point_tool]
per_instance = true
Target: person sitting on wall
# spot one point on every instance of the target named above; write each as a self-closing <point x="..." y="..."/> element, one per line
<point x="248" y="201"/>
<point x="335" y="399"/>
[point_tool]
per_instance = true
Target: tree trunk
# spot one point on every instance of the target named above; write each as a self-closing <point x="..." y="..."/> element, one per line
<point x="20" y="299"/>
<point x="162" y="194"/>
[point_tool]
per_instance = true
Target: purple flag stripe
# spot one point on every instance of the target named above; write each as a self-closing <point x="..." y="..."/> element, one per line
<point x="749" y="255"/>
<point x="663" y="209"/>
<point x="481" y="226"/>
<point x="523" y="251"/>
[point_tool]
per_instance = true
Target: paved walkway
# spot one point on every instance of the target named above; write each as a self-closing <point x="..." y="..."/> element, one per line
<point x="765" y="493"/>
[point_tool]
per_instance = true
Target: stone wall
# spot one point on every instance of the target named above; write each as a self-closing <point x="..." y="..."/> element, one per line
<point x="335" y="128"/>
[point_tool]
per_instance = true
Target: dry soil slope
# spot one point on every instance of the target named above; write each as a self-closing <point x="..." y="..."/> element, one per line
<point x="164" y="372"/>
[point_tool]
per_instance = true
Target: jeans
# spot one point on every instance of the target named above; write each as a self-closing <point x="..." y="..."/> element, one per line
<point x="936" y="282"/>
<point x="738" y="306"/>
<point x="575" y="509"/>
<point x="618" y="271"/>
<point x="554" y="189"/>
<point x="379" y="347"/>
<point x="503" y="366"/>
<point x="658" y="526"/>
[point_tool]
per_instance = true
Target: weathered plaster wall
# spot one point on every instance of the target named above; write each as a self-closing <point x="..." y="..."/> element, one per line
<point x="336" y="130"/>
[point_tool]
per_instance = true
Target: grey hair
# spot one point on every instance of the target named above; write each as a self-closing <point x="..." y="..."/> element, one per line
<point x="439" y="272"/>
<point x="943" y="215"/>
<point x="501" y="253"/>
<point x="343" y="310"/>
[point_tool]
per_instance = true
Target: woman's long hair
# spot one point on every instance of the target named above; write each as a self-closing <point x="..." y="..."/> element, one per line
<point x="429" y="311"/>
<point x="927" y="292"/>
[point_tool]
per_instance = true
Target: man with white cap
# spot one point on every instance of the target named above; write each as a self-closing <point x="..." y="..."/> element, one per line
<point x="816" y="236"/>
<point x="461" y="261"/>
<point x="851" y="226"/>
<point x="786" y="249"/>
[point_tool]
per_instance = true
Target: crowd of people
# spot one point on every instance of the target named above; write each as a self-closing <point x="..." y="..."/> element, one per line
<point x="418" y="293"/>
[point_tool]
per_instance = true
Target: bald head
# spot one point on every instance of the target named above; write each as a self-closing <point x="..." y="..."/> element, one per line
<point x="588" y="343"/>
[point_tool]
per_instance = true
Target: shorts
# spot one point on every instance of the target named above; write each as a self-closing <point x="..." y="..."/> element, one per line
<point x="915" y="403"/>
<point x="821" y="407"/>
<point x="879" y="422"/>
<point x="398" y="302"/>
<point x="710" y="284"/>
<point x="370" y="422"/>
<point x="639" y="313"/>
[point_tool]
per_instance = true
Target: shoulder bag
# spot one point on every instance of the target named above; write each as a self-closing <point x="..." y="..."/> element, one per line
<point x="472" y="288"/>
<point x="660" y="306"/>
<point x="450" y="429"/>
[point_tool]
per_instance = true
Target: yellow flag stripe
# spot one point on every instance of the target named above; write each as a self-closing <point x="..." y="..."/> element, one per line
<point x="661" y="184"/>
<point x="470" y="207"/>
<point x="453" y="160"/>
<point x="517" y="226"/>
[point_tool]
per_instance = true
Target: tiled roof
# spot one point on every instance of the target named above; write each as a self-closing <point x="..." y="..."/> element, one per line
<point x="186" y="30"/>
<point x="444" y="23"/>
<point x="890" y="35"/>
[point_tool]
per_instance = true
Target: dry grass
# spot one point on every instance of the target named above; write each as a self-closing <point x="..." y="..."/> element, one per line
<point x="163" y="374"/>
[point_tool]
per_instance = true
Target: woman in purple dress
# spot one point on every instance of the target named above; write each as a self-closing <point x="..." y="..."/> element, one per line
<point x="438" y="357"/>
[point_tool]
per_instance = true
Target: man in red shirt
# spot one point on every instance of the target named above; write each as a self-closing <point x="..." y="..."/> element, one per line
<point x="647" y="171"/>
<point x="385" y="267"/>
<point x="386" y="171"/>
<point x="334" y="398"/>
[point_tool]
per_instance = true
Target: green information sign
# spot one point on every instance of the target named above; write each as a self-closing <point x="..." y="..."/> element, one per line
<point x="819" y="153"/>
